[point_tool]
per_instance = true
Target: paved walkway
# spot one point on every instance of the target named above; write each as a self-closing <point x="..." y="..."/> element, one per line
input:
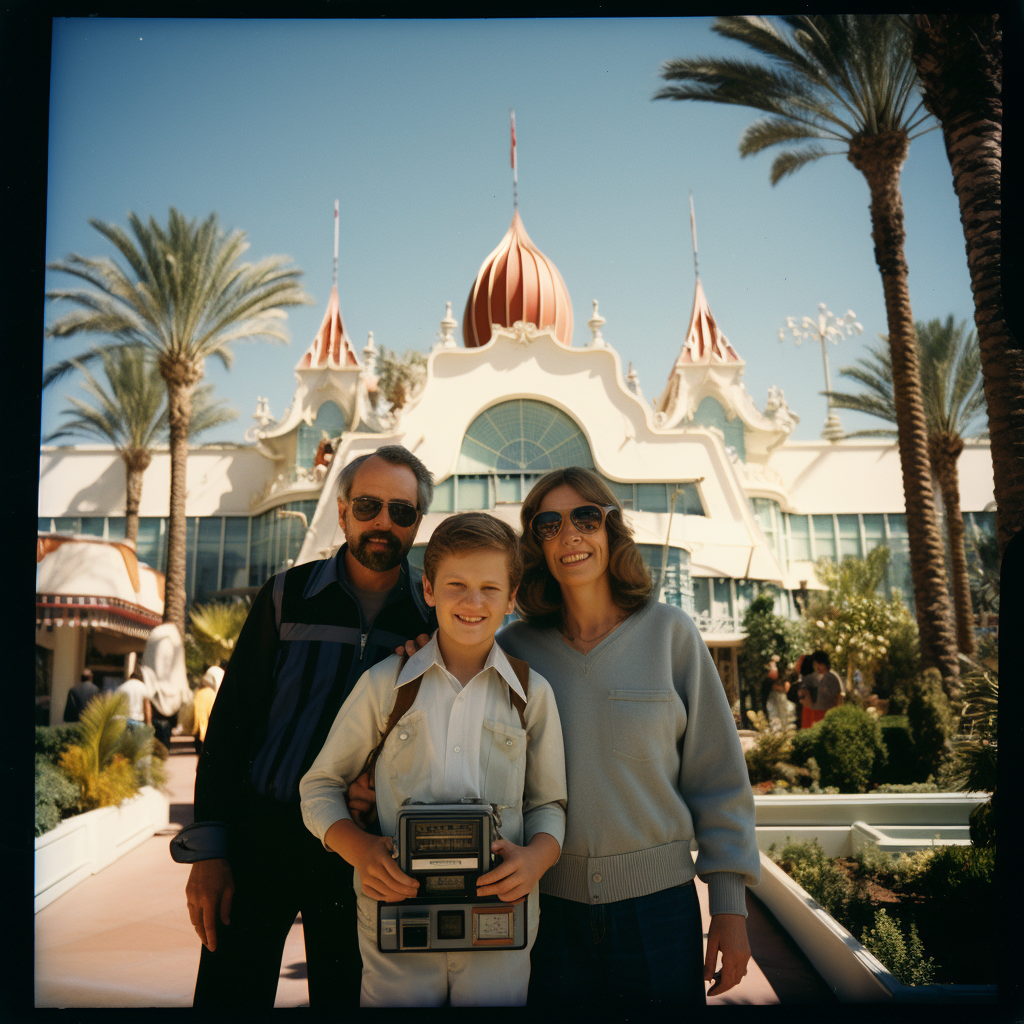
<point x="122" y="938"/>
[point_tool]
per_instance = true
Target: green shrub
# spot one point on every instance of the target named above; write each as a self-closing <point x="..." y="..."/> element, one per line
<point x="960" y="872"/>
<point x="909" y="787"/>
<point x="849" y="747"/>
<point x="766" y="759"/>
<point x="53" y="740"/>
<point x="55" y="794"/>
<point x="903" y="957"/>
<point x="983" y="823"/>
<point x="899" y="872"/>
<point x="805" y="744"/>
<point x="931" y="720"/>
<point x="823" y="879"/>
<point x="903" y="764"/>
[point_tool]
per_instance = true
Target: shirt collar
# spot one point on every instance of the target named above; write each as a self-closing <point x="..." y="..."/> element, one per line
<point x="430" y="654"/>
<point x="332" y="570"/>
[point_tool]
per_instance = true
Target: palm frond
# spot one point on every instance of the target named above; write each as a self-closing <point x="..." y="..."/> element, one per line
<point x="793" y="159"/>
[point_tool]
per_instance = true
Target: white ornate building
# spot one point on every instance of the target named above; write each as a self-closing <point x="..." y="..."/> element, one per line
<point x="718" y="492"/>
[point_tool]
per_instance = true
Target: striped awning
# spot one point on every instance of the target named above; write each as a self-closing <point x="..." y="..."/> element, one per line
<point x="98" y="612"/>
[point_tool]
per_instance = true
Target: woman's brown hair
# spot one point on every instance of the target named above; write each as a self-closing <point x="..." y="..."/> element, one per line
<point x="539" y="601"/>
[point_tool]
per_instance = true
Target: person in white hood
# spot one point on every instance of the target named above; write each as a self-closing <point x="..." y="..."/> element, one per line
<point x="163" y="671"/>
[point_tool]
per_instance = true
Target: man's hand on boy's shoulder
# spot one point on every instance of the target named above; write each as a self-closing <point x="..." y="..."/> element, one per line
<point x="520" y="868"/>
<point x="412" y="646"/>
<point x="361" y="800"/>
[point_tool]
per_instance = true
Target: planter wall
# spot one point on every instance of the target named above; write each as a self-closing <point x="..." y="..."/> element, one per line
<point x="831" y="809"/>
<point x="87" y="843"/>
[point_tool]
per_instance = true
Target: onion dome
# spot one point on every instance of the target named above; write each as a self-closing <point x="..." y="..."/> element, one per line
<point x="517" y="282"/>
<point x="332" y="347"/>
<point x="705" y="342"/>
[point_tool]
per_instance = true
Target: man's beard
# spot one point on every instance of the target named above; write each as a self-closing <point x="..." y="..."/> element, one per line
<point x="379" y="561"/>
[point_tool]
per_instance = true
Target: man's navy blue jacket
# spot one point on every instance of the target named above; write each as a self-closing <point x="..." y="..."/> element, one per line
<point x="302" y="649"/>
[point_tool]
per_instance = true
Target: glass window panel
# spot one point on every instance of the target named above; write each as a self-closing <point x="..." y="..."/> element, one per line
<point x="824" y="537"/>
<point x="444" y="496"/>
<point x="874" y="531"/>
<point x="236" y="547"/>
<point x="676" y="588"/>
<point x="688" y="501"/>
<point x="45" y="524"/>
<point x="416" y="555"/>
<point x="508" y="487"/>
<point x="115" y="527"/>
<point x="149" y="543"/>
<point x="67" y="524"/>
<point x="701" y="595"/>
<point x="721" y="598"/>
<point x="799" y="538"/>
<point x="92" y="526"/>
<point x="258" y="554"/>
<point x="744" y="596"/>
<point x="849" y="536"/>
<point x="190" y="557"/>
<point x="529" y="479"/>
<point x="624" y="492"/>
<point x="652" y="497"/>
<point x="474" y="493"/>
<point x="208" y="557"/>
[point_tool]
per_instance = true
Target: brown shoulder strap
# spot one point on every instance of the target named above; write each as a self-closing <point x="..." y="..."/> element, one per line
<point x="522" y="671"/>
<point x="403" y="701"/>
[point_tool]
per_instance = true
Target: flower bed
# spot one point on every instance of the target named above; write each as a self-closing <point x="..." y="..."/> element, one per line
<point x="86" y="843"/>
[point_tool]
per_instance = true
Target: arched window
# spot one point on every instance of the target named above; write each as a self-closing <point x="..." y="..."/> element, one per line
<point x="506" y="449"/>
<point x="329" y="419"/>
<point x="710" y="413"/>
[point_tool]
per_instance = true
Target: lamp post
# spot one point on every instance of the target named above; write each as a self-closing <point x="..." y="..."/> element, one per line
<point x="827" y="327"/>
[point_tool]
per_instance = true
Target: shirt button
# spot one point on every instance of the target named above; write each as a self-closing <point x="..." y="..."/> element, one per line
<point x="597" y="877"/>
<point x="457" y="749"/>
<point x="403" y="735"/>
<point x="508" y="743"/>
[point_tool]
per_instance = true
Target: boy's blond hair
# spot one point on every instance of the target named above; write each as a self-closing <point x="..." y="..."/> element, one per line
<point x="470" y="531"/>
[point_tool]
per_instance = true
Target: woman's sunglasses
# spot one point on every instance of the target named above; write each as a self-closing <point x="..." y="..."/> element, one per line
<point x="401" y="513"/>
<point x="586" y="518"/>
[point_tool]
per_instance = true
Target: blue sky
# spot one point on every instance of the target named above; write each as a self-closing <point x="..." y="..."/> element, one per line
<point x="406" y="123"/>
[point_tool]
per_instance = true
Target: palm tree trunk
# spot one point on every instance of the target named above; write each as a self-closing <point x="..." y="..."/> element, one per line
<point x="136" y="462"/>
<point x="181" y="379"/>
<point x="880" y="159"/>
<point x="944" y="455"/>
<point x="959" y="63"/>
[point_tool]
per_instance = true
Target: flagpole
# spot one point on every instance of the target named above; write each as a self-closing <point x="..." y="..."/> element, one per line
<point x="693" y="233"/>
<point x="515" y="168"/>
<point x="335" y="243"/>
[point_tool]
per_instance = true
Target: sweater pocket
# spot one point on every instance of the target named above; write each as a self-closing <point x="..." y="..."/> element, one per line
<point x="643" y="726"/>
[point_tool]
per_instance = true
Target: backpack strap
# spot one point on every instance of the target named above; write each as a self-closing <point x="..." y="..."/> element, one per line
<point x="522" y="671"/>
<point x="278" y="594"/>
<point x="403" y="701"/>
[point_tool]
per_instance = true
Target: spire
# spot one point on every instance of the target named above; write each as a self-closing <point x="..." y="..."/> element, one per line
<point x="693" y="233"/>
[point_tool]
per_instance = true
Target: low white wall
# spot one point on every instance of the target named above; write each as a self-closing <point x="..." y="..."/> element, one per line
<point x="87" y="843"/>
<point x="816" y="809"/>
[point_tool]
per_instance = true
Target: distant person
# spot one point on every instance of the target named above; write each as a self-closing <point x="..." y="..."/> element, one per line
<point x="776" y="702"/>
<point x="79" y="696"/>
<point x="807" y="693"/>
<point x="140" y="711"/>
<point x="202" y="704"/>
<point x="830" y="689"/>
<point x="163" y="669"/>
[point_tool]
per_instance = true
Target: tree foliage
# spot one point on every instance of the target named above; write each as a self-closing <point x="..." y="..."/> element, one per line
<point x="398" y="376"/>
<point x="215" y="628"/>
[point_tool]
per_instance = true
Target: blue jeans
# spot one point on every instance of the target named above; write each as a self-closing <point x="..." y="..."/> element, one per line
<point x="628" y="955"/>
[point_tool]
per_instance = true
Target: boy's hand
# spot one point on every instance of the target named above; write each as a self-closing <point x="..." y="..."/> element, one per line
<point x="381" y="877"/>
<point x="361" y="799"/>
<point x="520" y="868"/>
<point x="412" y="646"/>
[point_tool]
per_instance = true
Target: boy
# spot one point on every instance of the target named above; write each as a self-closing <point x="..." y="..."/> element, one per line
<point x="461" y="737"/>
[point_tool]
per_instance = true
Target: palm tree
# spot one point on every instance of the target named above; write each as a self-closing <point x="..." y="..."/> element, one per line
<point x="959" y="59"/>
<point x="215" y="628"/>
<point x="397" y="375"/>
<point x="132" y="417"/>
<point x="848" y="80"/>
<point x="953" y="401"/>
<point x="185" y="297"/>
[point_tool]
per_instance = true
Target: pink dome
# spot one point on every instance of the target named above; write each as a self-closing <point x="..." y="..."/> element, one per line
<point x="517" y="282"/>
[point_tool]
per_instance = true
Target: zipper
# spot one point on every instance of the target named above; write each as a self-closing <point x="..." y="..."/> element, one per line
<point x="362" y="644"/>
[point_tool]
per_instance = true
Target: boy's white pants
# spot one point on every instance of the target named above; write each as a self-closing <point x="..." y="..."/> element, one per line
<point x="470" y="978"/>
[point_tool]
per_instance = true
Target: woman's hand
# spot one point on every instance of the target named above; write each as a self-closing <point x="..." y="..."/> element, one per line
<point x="381" y="877"/>
<point x="361" y="799"/>
<point x="726" y="935"/>
<point x="520" y="868"/>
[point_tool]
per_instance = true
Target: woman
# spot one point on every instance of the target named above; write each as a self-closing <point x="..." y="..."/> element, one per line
<point x="653" y="760"/>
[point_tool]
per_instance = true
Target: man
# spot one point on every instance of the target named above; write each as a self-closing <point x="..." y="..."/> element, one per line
<point x="79" y="696"/>
<point x="829" y="687"/>
<point x="140" y="711"/>
<point x="311" y="633"/>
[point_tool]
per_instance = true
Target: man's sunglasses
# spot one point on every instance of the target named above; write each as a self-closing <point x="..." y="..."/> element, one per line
<point x="401" y="513"/>
<point x="586" y="518"/>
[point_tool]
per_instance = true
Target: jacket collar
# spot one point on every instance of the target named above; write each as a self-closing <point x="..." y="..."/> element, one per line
<point x="332" y="570"/>
<point x="430" y="654"/>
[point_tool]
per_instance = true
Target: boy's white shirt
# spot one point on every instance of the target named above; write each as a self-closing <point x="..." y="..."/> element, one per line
<point x="454" y="742"/>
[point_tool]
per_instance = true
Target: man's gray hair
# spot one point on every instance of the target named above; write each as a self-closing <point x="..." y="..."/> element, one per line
<point x="396" y="455"/>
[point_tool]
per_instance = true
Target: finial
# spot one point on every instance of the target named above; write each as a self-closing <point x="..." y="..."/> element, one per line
<point x="448" y="325"/>
<point x="335" y="279"/>
<point x="693" y="232"/>
<point x="595" y="323"/>
<point x="369" y="355"/>
<point x="515" y="166"/>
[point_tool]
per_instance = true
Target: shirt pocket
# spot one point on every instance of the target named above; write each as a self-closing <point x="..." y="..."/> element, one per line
<point x="503" y="758"/>
<point x="643" y="723"/>
<point x="407" y="755"/>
